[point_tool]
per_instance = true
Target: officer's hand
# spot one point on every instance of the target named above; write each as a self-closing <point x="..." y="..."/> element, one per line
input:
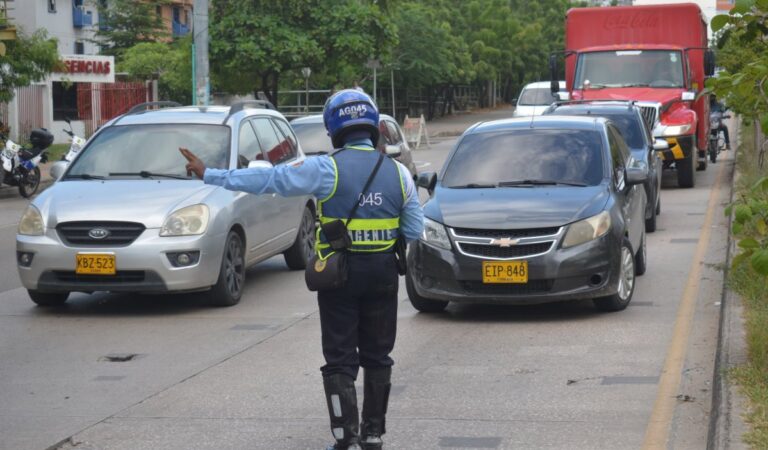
<point x="195" y="165"/>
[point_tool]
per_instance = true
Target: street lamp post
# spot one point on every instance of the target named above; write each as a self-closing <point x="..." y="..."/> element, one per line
<point x="306" y="71"/>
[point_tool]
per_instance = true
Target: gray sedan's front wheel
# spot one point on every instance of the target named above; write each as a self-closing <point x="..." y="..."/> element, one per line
<point x="229" y="288"/>
<point x="623" y="296"/>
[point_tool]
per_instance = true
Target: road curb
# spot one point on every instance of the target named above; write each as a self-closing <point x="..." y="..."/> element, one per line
<point x="726" y="425"/>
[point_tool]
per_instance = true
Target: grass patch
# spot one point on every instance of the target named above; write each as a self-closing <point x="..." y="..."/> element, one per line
<point x="56" y="151"/>
<point x="752" y="378"/>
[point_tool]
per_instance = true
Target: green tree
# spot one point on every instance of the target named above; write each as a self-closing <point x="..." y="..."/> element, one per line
<point x="255" y="43"/>
<point x="29" y="58"/>
<point x="169" y="62"/>
<point x="125" y="23"/>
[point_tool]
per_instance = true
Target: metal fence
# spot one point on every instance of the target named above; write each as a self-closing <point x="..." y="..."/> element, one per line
<point x="31" y="102"/>
<point x="97" y="103"/>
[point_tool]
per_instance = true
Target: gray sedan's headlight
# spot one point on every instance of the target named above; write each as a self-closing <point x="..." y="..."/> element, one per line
<point x="587" y="229"/>
<point x="187" y="221"/>
<point x="31" y="223"/>
<point x="434" y="234"/>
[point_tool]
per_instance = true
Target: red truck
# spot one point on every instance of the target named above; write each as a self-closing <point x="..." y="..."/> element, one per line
<point x="656" y="55"/>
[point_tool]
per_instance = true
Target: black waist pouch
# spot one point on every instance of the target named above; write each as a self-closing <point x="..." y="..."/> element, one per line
<point x="332" y="272"/>
<point x="327" y="274"/>
<point x="400" y="255"/>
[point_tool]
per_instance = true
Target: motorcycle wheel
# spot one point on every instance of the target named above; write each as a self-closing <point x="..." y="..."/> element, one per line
<point x="29" y="184"/>
<point x="713" y="151"/>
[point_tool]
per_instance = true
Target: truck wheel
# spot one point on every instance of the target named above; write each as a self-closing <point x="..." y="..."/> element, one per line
<point x="422" y="304"/>
<point x="623" y="296"/>
<point x="650" y="223"/>
<point x="47" y="298"/>
<point x="685" y="172"/>
<point x="641" y="257"/>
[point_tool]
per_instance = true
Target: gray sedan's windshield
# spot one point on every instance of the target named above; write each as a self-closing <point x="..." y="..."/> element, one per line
<point x="313" y="137"/>
<point x="491" y="159"/>
<point x="154" y="149"/>
<point x="629" y="68"/>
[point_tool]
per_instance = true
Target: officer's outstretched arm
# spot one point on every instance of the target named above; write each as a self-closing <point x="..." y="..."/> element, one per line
<point x="314" y="176"/>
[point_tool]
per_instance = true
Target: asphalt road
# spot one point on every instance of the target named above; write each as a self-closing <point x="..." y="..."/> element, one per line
<point x="560" y="376"/>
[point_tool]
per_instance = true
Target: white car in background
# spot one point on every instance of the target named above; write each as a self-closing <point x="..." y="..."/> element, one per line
<point x="535" y="98"/>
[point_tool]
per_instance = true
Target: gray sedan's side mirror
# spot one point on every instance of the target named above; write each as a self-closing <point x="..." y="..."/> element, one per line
<point x="660" y="145"/>
<point x="393" y="151"/>
<point x="427" y="180"/>
<point x="260" y="164"/>
<point x="58" y="168"/>
<point x="636" y="175"/>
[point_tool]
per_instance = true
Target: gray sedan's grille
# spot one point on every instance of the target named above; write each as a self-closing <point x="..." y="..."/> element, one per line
<point x="526" y="232"/>
<point x="119" y="234"/>
<point x="515" y="251"/>
<point x="650" y="115"/>
<point x="531" y="287"/>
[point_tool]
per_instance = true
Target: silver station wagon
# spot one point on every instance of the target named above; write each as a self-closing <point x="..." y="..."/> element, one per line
<point x="126" y="217"/>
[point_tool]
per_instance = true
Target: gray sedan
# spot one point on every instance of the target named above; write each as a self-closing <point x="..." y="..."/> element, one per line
<point x="126" y="217"/>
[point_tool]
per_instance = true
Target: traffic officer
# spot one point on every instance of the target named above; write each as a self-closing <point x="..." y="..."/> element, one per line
<point x="358" y="321"/>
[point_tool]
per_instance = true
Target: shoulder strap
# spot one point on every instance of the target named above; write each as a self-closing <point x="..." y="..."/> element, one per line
<point x="367" y="185"/>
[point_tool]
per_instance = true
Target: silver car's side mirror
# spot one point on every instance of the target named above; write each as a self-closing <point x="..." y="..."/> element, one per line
<point x="58" y="168"/>
<point x="660" y="145"/>
<point x="393" y="150"/>
<point x="260" y="164"/>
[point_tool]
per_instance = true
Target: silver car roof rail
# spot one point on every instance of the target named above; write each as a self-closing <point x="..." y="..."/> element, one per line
<point x="143" y="107"/>
<point x="236" y="107"/>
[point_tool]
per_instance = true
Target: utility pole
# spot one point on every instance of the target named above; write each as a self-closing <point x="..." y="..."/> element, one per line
<point x="200" y="65"/>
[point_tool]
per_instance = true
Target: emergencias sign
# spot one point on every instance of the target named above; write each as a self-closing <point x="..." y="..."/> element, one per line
<point x="86" y="69"/>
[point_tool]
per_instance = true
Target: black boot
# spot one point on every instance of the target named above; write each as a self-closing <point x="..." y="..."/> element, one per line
<point x="341" y="397"/>
<point x="376" y="396"/>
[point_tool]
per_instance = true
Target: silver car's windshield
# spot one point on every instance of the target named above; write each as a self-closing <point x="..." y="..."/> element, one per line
<point x="536" y="97"/>
<point x="526" y="157"/>
<point x="630" y="68"/>
<point x="139" y="150"/>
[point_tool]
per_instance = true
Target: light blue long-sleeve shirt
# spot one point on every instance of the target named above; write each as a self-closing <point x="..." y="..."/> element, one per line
<point x="316" y="175"/>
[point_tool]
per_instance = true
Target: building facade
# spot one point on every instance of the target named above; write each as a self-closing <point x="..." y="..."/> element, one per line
<point x="90" y="91"/>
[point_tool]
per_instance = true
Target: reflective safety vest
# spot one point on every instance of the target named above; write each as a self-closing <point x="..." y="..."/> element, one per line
<point x="376" y="224"/>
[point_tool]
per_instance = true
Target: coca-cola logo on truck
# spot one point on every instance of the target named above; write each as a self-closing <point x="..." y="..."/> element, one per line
<point x="631" y="20"/>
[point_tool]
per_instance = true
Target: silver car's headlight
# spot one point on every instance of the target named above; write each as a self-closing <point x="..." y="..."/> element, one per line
<point x="434" y="234"/>
<point x="587" y="229"/>
<point x="187" y="221"/>
<point x="31" y="223"/>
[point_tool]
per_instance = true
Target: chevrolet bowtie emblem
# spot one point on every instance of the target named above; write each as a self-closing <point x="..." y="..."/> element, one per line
<point x="505" y="242"/>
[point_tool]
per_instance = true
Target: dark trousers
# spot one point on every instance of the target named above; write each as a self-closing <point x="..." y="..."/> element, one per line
<point x="359" y="321"/>
<point x="724" y="129"/>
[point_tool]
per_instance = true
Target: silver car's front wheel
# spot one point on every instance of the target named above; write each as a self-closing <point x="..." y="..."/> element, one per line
<point x="229" y="288"/>
<point x="303" y="247"/>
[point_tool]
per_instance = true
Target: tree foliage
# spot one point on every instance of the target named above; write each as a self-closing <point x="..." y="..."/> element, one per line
<point x="169" y="62"/>
<point x="125" y="23"/>
<point x="255" y="43"/>
<point x="29" y="58"/>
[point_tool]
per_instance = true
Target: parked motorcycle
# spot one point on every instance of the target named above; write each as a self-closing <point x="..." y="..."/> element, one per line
<point x="77" y="143"/>
<point x="20" y="164"/>
<point x="716" y="138"/>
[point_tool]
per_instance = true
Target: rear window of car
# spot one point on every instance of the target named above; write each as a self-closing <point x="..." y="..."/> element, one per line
<point x="313" y="137"/>
<point x="629" y="125"/>
<point x="536" y="97"/>
<point x="153" y="148"/>
<point x="562" y="155"/>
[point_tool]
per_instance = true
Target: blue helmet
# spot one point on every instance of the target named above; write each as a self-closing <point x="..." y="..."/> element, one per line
<point x="350" y="110"/>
